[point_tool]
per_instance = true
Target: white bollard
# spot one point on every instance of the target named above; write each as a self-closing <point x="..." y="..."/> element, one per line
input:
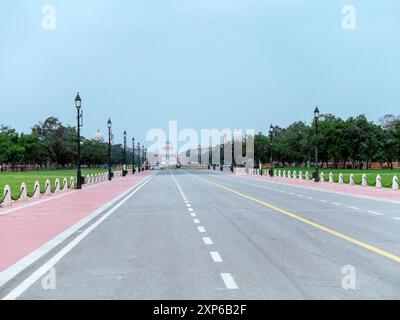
<point x="289" y="175"/>
<point x="275" y="172"/>
<point x="395" y="183"/>
<point x="24" y="193"/>
<point x="364" y="181"/>
<point x="322" y="177"/>
<point x="378" y="181"/>
<point x="57" y="185"/>
<point x="279" y="173"/>
<point x="307" y="175"/>
<point x="65" y="184"/>
<point x="330" y="177"/>
<point x="352" y="182"/>
<point x="284" y="173"/>
<point x="301" y="175"/>
<point x="341" y="178"/>
<point x="294" y="174"/>
<point x="7" y="202"/>
<point x="36" y="190"/>
<point x="72" y="183"/>
<point x="47" y="188"/>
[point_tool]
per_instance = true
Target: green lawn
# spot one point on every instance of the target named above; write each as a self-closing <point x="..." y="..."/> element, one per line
<point x="386" y="174"/>
<point x="14" y="179"/>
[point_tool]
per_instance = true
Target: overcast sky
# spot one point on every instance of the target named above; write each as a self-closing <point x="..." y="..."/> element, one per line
<point x="204" y="63"/>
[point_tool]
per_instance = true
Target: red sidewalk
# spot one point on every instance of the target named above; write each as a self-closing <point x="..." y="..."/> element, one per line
<point x="30" y="226"/>
<point x="371" y="192"/>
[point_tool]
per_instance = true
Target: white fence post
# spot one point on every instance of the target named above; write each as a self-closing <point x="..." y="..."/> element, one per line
<point x="307" y="175"/>
<point x="395" y="184"/>
<point x="364" y="181"/>
<point x="47" y="186"/>
<point x="330" y="177"/>
<point x="7" y="202"/>
<point x="65" y="184"/>
<point x="57" y="185"/>
<point x="352" y="182"/>
<point x="24" y="193"/>
<point x="72" y="183"/>
<point x="322" y="178"/>
<point x="36" y="190"/>
<point x="378" y="182"/>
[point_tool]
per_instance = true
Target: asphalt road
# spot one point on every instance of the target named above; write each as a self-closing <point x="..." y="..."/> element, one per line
<point x="202" y="235"/>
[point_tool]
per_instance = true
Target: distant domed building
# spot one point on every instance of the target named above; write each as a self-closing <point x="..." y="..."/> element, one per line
<point x="98" y="137"/>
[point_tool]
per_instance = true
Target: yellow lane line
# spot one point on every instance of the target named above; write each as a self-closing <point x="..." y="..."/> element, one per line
<point x="306" y="221"/>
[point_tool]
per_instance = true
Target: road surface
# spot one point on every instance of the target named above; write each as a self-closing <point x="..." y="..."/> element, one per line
<point x="205" y="235"/>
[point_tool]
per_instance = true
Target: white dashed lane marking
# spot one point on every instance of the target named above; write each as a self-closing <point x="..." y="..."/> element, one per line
<point x="207" y="241"/>
<point x="201" y="229"/>
<point x="229" y="281"/>
<point x="375" y="213"/>
<point x="215" y="256"/>
<point x="196" y="221"/>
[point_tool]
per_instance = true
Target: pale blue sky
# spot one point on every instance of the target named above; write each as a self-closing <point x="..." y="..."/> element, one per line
<point x="205" y="63"/>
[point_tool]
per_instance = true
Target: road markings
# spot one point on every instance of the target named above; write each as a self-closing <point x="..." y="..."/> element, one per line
<point x="310" y="198"/>
<point x="192" y="214"/>
<point x="335" y="233"/>
<point x="229" y="281"/>
<point x="397" y="218"/>
<point x="39" y="273"/>
<point x="201" y="229"/>
<point x="196" y="221"/>
<point x="323" y="201"/>
<point x="215" y="256"/>
<point x="188" y="205"/>
<point x="354" y="208"/>
<point x="375" y="213"/>
<point x="336" y="203"/>
<point x="190" y="209"/>
<point x="207" y="241"/>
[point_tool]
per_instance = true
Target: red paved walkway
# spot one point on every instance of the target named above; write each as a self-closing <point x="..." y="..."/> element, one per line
<point x="31" y="226"/>
<point x="383" y="193"/>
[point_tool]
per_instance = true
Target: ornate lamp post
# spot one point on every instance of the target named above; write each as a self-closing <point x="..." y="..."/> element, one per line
<point x="133" y="156"/>
<point x="233" y="153"/>
<point x="139" y="161"/>
<point x="316" y="117"/>
<point x="271" y="137"/>
<point x="222" y="155"/>
<point x="199" y="155"/>
<point x="78" y="105"/>
<point x="109" y="125"/>
<point x="145" y="159"/>
<point x="124" y="166"/>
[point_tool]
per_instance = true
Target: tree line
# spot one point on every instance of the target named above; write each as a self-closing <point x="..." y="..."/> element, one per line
<point x="355" y="142"/>
<point x="53" y="144"/>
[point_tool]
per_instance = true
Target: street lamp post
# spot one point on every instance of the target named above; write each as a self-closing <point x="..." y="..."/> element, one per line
<point x="199" y="155"/>
<point x="124" y="166"/>
<point x="222" y="155"/>
<point x="133" y="156"/>
<point x="209" y="157"/>
<point x="316" y="117"/>
<point x="145" y="159"/>
<point x="109" y="124"/>
<point x="78" y="105"/>
<point x="233" y="153"/>
<point x="271" y="137"/>
<point x="139" y="161"/>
